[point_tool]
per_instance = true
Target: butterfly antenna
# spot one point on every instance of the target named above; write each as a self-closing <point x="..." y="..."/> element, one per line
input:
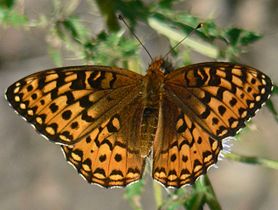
<point x="122" y="19"/>
<point x="191" y="32"/>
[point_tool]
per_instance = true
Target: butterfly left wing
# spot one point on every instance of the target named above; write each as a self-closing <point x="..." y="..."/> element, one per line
<point x="208" y="102"/>
<point x="94" y="111"/>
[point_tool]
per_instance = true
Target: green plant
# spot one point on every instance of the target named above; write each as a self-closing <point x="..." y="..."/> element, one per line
<point x="68" y="30"/>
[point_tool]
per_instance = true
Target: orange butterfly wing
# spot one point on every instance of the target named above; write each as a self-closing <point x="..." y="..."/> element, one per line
<point x="95" y="111"/>
<point x="66" y="104"/>
<point x="202" y="105"/>
<point x="110" y="155"/>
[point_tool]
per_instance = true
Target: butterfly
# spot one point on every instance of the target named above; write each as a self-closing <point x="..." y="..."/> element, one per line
<point x="109" y="120"/>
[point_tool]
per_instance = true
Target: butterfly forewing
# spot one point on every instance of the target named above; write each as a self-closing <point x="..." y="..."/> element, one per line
<point x="220" y="96"/>
<point x="66" y="104"/>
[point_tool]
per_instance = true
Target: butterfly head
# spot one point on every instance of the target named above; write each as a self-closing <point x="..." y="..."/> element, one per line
<point x="161" y="64"/>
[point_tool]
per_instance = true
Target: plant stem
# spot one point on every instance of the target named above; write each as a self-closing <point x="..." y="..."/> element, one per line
<point x="211" y="198"/>
<point x="175" y="35"/>
<point x="253" y="160"/>
<point x="157" y="194"/>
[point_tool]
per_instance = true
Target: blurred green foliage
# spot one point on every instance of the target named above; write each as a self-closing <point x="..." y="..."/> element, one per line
<point x="9" y="16"/>
<point x="133" y="193"/>
<point x="68" y="30"/>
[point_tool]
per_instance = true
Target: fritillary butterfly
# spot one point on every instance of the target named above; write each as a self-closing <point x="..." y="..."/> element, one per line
<point x="108" y="119"/>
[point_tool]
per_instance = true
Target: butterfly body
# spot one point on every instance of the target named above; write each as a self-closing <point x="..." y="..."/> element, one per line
<point x="108" y="119"/>
<point x="152" y="92"/>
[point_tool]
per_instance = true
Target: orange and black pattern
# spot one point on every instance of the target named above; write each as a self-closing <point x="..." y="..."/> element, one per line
<point x="208" y="102"/>
<point x="108" y="120"/>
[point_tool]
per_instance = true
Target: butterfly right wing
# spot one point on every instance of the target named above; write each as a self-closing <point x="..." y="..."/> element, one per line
<point x="202" y="105"/>
<point x="182" y="150"/>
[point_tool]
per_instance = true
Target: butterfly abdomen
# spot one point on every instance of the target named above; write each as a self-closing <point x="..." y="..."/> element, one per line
<point x="148" y="129"/>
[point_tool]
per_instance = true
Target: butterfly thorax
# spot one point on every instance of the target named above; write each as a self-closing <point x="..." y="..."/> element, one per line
<point x="153" y="84"/>
<point x="152" y="90"/>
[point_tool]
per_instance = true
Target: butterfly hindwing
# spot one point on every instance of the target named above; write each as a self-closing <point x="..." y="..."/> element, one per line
<point x="182" y="150"/>
<point x="110" y="155"/>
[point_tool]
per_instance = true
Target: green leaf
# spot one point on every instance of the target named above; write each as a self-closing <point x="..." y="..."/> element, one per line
<point x="110" y="49"/>
<point x="173" y="205"/>
<point x="70" y="26"/>
<point x="197" y="197"/>
<point x="12" y="18"/>
<point x="77" y="30"/>
<point x="233" y="35"/>
<point x="185" y="19"/>
<point x="196" y="201"/>
<point x="132" y="10"/>
<point x="7" y="3"/>
<point x="202" y="194"/>
<point x="175" y="199"/>
<point x="55" y="56"/>
<point x="166" y="3"/>
<point x="248" y="37"/>
<point x="133" y="193"/>
<point x="109" y="10"/>
<point x="275" y="89"/>
<point x="210" y="29"/>
<point x="134" y="189"/>
<point x="240" y="37"/>
<point x="102" y="36"/>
